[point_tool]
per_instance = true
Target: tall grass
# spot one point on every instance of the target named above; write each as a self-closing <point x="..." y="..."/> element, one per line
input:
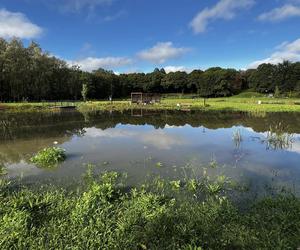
<point x="277" y="138"/>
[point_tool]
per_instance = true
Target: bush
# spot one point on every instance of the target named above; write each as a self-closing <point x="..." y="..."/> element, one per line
<point x="49" y="157"/>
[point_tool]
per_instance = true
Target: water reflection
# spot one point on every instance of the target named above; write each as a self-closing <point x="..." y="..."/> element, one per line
<point x="136" y="144"/>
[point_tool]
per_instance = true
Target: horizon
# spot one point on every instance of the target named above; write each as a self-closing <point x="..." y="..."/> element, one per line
<point x="129" y="37"/>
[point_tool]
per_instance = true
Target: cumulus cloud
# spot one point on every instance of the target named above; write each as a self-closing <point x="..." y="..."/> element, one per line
<point x="281" y="13"/>
<point x="16" y="24"/>
<point x="285" y="51"/>
<point x="224" y="9"/>
<point x="169" y="69"/>
<point x="162" y="52"/>
<point x="94" y="63"/>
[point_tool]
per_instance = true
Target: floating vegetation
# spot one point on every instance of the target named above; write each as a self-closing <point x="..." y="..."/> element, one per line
<point x="49" y="157"/>
<point x="237" y="137"/>
<point x="277" y="138"/>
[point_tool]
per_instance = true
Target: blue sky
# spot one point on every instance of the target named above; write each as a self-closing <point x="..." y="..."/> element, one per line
<point x="139" y="35"/>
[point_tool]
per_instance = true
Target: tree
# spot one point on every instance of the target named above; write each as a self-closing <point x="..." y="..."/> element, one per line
<point x="175" y="82"/>
<point x="29" y="73"/>
<point x="263" y="78"/>
<point x="84" y="91"/>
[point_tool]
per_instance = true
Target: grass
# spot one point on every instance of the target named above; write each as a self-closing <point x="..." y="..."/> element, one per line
<point x="49" y="157"/>
<point x="277" y="138"/>
<point x="246" y="101"/>
<point x="104" y="214"/>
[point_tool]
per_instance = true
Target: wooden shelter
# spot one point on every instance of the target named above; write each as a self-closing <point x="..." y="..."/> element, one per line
<point x="145" y="98"/>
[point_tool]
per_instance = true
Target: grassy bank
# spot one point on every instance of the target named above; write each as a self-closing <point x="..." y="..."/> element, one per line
<point x="247" y="102"/>
<point x="195" y="214"/>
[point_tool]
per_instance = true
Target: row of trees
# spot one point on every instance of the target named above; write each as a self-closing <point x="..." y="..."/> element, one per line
<point x="29" y="73"/>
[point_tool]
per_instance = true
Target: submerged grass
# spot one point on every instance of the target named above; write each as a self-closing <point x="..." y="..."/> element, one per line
<point x="190" y="214"/>
<point x="49" y="157"/>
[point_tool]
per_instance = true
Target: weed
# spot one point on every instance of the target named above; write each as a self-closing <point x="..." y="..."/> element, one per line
<point x="49" y="157"/>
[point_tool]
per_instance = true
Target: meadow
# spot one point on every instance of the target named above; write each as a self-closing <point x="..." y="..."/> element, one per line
<point x="245" y="102"/>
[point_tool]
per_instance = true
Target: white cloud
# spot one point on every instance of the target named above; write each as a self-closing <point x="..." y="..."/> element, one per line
<point x="162" y="52"/>
<point x="285" y="51"/>
<point x="93" y="63"/>
<point x="281" y="13"/>
<point x="16" y="24"/>
<point x="169" y="69"/>
<point x="224" y="9"/>
<point x="157" y="138"/>
<point x="77" y="5"/>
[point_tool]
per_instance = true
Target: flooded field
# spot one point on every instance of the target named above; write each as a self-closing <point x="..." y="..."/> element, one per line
<point x="257" y="149"/>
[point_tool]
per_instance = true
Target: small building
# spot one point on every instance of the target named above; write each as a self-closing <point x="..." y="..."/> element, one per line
<point x="145" y="98"/>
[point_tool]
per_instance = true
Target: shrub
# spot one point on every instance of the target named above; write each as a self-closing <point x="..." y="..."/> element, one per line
<point x="49" y="157"/>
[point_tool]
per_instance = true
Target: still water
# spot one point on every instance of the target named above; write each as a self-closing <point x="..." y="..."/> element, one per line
<point x="143" y="143"/>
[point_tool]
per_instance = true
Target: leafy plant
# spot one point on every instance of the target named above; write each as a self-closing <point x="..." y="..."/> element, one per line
<point x="49" y="157"/>
<point x="2" y="170"/>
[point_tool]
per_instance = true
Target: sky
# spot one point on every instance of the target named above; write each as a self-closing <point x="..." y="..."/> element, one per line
<point x="139" y="35"/>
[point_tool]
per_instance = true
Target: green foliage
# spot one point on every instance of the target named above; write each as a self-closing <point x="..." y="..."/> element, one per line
<point x="101" y="216"/>
<point x="49" y="157"/>
<point x="30" y="74"/>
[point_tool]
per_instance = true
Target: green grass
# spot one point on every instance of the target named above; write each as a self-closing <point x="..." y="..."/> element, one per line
<point x="246" y="101"/>
<point x="195" y="214"/>
<point x="49" y="157"/>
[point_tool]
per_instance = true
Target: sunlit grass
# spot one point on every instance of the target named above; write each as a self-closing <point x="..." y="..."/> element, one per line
<point x="248" y="102"/>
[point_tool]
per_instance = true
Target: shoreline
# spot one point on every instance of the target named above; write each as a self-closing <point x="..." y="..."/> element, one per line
<point x="183" y="104"/>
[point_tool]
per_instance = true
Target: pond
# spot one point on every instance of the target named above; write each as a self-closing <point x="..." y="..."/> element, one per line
<point x="166" y="143"/>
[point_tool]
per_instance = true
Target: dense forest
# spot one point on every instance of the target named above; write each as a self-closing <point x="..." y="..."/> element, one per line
<point x="31" y="74"/>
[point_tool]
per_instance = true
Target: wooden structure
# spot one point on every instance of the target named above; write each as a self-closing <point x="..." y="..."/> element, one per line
<point x="145" y="98"/>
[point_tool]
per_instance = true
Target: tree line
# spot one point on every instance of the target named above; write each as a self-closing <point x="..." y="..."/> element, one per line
<point x="31" y="74"/>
